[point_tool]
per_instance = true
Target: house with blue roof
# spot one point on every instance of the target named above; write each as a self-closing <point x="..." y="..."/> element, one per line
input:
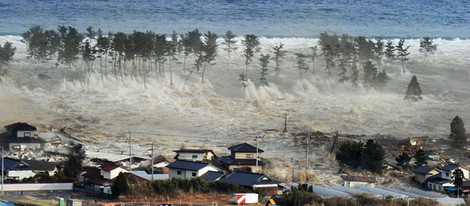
<point x="213" y="176"/>
<point x="15" y="169"/>
<point x="444" y="179"/>
<point x="189" y="169"/>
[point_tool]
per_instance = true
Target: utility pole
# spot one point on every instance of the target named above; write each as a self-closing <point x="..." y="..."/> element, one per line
<point x="152" y="162"/>
<point x="307" y="138"/>
<point x="285" y="122"/>
<point x="256" y="138"/>
<point x="3" y="168"/>
<point x="293" y="171"/>
<point x="130" y="152"/>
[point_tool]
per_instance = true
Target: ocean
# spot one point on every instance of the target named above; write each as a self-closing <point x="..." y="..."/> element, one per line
<point x="446" y="19"/>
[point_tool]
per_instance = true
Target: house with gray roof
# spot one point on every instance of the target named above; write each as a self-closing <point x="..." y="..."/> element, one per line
<point x="252" y="180"/>
<point x="444" y="179"/>
<point x="422" y="173"/>
<point x="189" y="169"/>
<point x="243" y="157"/>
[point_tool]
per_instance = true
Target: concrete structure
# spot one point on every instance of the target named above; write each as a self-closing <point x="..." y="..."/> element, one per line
<point x="356" y="181"/>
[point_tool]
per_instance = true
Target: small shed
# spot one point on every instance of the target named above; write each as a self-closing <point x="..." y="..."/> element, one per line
<point x="356" y="181"/>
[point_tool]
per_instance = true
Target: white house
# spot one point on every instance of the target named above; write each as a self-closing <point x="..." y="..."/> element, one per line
<point x="189" y="169"/>
<point x="110" y="170"/>
<point x="444" y="179"/>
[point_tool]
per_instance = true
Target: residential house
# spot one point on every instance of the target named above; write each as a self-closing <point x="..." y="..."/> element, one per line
<point x="198" y="155"/>
<point x="16" y="169"/>
<point x="444" y="179"/>
<point x="189" y="169"/>
<point x="110" y="170"/>
<point x="160" y="164"/>
<point x="21" y="129"/>
<point x="93" y="182"/>
<point x="121" y="159"/>
<point x="422" y="173"/>
<point x="42" y="167"/>
<point x="147" y="176"/>
<point x="356" y="181"/>
<point x="251" y="180"/>
<point x="243" y="157"/>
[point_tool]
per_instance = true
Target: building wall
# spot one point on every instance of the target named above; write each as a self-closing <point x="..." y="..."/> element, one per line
<point x="357" y="184"/>
<point x="26" y="133"/>
<point x="189" y="156"/>
<point x="243" y="155"/>
<point x="422" y="178"/>
<point x="236" y="167"/>
<point x="20" y="174"/>
<point x="188" y="174"/>
<point x="22" y="146"/>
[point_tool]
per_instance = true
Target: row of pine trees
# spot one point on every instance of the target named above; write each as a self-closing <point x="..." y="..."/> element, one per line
<point x="142" y="55"/>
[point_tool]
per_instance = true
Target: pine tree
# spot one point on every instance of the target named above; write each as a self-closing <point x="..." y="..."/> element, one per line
<point x="7" y="51"/>
<point x="421" y="157"/>
<point x="279" y="54"/>
<point x="35" y="39"/>
<point x="120" y="185"/>
<point x="379" y="51"/>
<point x="402" y="52"/>
<point x="457" y="133"/>
<point x="374" y="78"/>
<point x="301" y="64"/>
<point x="251" y="43"/>
<point x="313" y="56"/>
<point x="209" y="49"/>
<point x="413" y="92"/>
<point x="389" y="51"/>
<point x="374" y="160"/>
<point x="427" y="47"/>
<point x="458" y="177"/>
<point x="263" y="62"/>
<point x="70" y="42"/>
<point x="403" y="160"/>
<point x="74" y="164"/>
<point x="229" y="42"/>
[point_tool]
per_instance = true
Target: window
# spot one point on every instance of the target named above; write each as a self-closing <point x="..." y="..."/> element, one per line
<point x="194" y="156"/>
<point x="194" y="174"/>
<point x="249" y="156"/>
<point x="27" y="134"/>
<point x="179" y="172"/>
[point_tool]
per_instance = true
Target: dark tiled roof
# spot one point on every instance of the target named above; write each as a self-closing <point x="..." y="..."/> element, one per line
<point x="41" y="164"/>
<point x="244" y="147"/>
<point x="108" y="166"/>
<point x="193" y="151"/>
<point x="187" y="165"/>
<point x="138" y="179"/>
<point x="15" y="164"/>
<point x="248" y="179"/>
<point x="437" y="179"/>
<point x="159" y="159"/>
<point x="449" y="167"/>
<point x="92" y="173"/>
<point x="424" y="170"/>
<point x="20" y="126"/>
<point x="358" y="178"/>
<point x="213" y="176"/>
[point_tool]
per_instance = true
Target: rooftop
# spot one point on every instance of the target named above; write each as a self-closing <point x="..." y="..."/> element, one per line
<point x="244" y="147"/>
<point x="424" y="170"/>
<point x="212" y="176"/>
<point x="248" y="179"/>
<point x="20" y="126"/>
<point x="449" y="167"/>
<point x="187" y="165"/>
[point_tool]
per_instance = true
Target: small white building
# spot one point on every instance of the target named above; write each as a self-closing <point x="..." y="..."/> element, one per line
<point x="198" y="155"/>
<point x="110" y="170"/>
<point x="356" y="181"/>
<point x="189" y="169"/>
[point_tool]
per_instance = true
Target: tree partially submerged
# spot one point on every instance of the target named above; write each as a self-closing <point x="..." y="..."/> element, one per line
<point x="251" y="43"/>
<point x="402" y="53"/>
<point x="229" y="42"/>
<point x="74" y="164"/>
<point x="279" y="54"/>
<point x="263" y="62"/>
<point x="7" y="51"/>
<point x="427" y="47"/>
<point x="369" y="156"/>
<point x="457" y="133"/>
<point x="413" y="92"/>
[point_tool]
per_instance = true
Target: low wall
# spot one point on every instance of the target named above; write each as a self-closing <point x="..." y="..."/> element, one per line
<point x="37" y="186"/>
